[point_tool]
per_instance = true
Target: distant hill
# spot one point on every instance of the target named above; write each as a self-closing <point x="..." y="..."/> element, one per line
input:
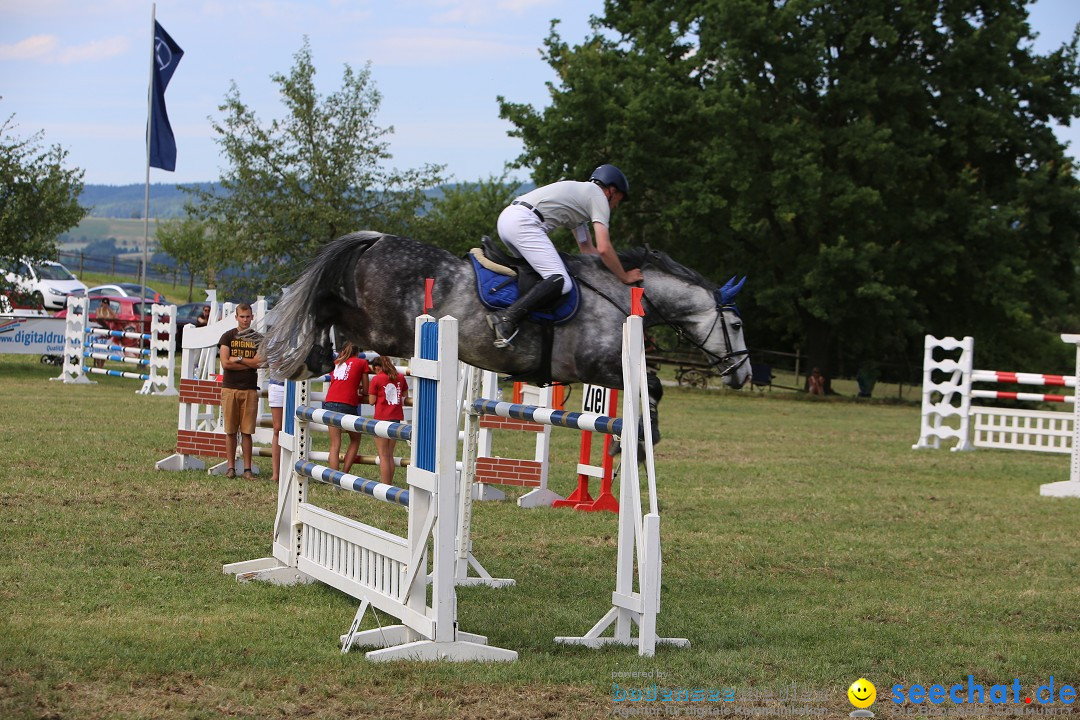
<point x="128" y="201"/>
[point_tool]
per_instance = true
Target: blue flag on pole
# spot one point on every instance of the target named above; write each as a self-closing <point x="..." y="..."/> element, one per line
<point x="167" y="56"/>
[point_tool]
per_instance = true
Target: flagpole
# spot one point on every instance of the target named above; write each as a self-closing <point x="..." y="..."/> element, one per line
<point x="146" y="197"/>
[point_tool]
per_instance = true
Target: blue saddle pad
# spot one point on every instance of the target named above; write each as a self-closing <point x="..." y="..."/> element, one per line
<point x="499" y="291"/>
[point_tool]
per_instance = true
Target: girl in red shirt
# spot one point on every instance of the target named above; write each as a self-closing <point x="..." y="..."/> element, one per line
<point x="343" y="396"/>
<point x="388" y="392"/>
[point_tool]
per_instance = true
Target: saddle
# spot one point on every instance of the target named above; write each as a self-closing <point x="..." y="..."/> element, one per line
<point x="501" y="278"/>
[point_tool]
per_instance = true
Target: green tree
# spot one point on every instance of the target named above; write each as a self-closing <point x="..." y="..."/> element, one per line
<point x="39" y="197"/>
<point x="880" y="169"/>
<point x="190" y="242"/>
<point x="299" y="181"/>
<point x="465" y="212"/>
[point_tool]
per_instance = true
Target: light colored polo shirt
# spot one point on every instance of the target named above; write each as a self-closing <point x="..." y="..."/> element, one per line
<point x="569" y="203"/>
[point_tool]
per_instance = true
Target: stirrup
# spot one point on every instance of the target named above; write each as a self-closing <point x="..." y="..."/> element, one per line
<point x="493" y="321"/>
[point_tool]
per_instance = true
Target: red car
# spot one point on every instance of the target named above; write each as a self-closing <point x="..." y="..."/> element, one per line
<point x="128" y="311"/>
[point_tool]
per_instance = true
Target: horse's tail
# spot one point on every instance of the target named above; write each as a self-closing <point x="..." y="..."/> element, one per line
<point x="302" y="319"/>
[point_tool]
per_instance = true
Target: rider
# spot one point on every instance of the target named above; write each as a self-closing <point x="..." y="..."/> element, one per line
<point x="524" y="226"/>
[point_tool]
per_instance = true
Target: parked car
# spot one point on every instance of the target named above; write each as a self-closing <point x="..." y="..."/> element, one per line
<point x="128" y="311"/>
<point x="47" y="283"/>
<point x="7" y="307"/>
<point x="128" y="290"/>
<point x="188" y="314"/>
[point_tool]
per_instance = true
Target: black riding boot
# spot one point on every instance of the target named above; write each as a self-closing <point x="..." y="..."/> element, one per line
<point x="505" y="322"/>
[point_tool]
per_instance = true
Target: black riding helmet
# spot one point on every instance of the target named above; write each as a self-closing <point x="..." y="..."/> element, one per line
<point x="612" y="177"/>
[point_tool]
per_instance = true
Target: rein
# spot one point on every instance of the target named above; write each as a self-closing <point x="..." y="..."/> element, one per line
<point x="715" y="360"/>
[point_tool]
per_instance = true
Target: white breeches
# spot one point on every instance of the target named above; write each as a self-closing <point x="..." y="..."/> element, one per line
<point x="521" y="230"/>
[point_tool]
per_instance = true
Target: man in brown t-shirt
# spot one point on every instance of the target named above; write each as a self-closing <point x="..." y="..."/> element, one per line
<point x="239" y="387"/>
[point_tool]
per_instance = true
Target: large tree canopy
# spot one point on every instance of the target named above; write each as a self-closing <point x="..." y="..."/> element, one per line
<point x="880" y="169"/>
<point x="39" y="197"/>
<point x="297" y="182"/>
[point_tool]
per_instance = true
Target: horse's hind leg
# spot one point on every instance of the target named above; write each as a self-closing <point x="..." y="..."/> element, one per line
<point x="320" y="359"/>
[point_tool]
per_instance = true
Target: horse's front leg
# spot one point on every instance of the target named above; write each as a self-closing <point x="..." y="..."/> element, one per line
<point x="656" y="393"/>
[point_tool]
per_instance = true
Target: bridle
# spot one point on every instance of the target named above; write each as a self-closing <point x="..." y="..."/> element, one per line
<point x="723" y="364"/>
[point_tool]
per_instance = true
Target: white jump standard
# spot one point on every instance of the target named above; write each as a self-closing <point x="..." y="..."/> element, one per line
<point x="1070" y="487"/>
<point x="83" y="341"/>
<point x="948" y="411"/>
<point x="639" y="557"/>
<point x="382" y="570"/>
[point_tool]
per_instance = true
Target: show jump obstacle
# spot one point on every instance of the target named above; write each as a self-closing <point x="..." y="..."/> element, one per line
<point x="639" y="556"/>
<point x="82" y="341"/>
<point x="200" y="429"/>
<point x="492" y="470"/>
<point x="390" y="572"/>
<point x="533" y="474"/>
<point x="382" y="570"/>
<point x="596" y="399"/>
<point x="948" y="394"/>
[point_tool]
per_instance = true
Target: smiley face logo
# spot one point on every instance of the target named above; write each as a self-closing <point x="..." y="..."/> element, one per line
<point x="862" y="693"/>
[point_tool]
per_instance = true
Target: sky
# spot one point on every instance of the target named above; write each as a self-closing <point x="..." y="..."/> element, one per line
<point x="78" y="70"/>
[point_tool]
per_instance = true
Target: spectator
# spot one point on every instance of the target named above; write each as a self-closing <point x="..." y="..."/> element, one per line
<point x="347" y="384"/>
<point x="388" y="393"/>
<point x="204" y="317"/>
<point x="816" y="382"/>
<point x="105" y="313"/>
<point x="867" y="378"/>
<point x="275" y="398"/>
<point x="238" y="352"/>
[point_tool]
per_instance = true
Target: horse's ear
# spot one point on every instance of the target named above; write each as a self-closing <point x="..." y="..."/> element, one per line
<point x="730" y="290"/>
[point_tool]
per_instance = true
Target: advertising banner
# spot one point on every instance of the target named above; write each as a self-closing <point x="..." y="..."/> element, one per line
<point x="31" y="335"/>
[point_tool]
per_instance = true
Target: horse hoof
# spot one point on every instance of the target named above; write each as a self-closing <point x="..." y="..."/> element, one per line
<point x="320" y="360"/>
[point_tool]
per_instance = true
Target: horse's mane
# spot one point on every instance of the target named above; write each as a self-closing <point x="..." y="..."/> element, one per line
<point x="640" y="256"/>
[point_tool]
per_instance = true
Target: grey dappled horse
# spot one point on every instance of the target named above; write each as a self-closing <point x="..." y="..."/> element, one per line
<point x="370" y="287"/>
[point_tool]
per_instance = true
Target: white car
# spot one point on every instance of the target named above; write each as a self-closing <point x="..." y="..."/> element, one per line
<point x="126" y="289"/>
<point x="47" y="282"/>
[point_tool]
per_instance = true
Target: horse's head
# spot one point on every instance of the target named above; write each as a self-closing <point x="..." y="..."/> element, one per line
<point x="734" y="365"/>
<point x="703" y="314"/>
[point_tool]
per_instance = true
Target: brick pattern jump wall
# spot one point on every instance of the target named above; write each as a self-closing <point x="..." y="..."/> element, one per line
<point x="202" y="392"/>
<point x="495" y="422"/>
<point x="508" y="471"/>
<point x="200" y="442"/>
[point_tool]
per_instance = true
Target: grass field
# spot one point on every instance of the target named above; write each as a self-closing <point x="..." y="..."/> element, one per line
<point x="804" y="543"/>
<point x="128" y="232"/>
